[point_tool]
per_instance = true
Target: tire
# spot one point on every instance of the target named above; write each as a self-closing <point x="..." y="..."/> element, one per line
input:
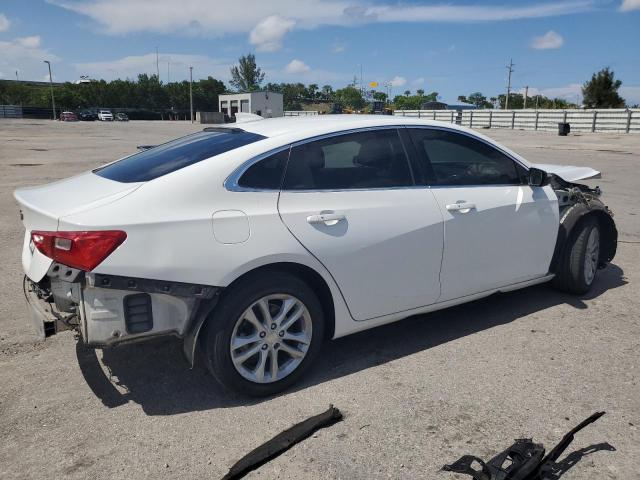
<point x="580" y="258"/>
<point x="233" y="319"/>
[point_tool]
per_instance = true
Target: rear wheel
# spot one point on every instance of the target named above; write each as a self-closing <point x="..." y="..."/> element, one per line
<point x="580" y="259"/>
<point x="264" y="334"/>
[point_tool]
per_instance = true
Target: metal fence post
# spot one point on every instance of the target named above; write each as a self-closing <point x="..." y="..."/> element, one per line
<point x="513" y="119"/>
<point x="470" y="118"/>
<point x="537" y="114"/>
<point x="434" y="114"/>
<point x="419" y="113"/>
<point x="593" y="122"/>
<point x="564" y="117"/>
<point x="490" y="117"/>
<point x="629" y="112"/>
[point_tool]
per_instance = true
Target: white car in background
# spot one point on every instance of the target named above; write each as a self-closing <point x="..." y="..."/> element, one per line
<point x="105" y="115"/>
<point x="260" y="240"/>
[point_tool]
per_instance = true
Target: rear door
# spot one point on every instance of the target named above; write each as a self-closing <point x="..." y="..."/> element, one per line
<point x="352" y="202"/>
<point x="498" y="230"/>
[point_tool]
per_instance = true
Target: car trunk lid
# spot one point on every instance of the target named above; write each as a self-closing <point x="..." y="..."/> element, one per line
<point x="41" y="208"/>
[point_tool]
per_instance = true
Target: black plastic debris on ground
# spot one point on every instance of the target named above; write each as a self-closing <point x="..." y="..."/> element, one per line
<point x="283" y="442"/>
<point x="525" y="460"/>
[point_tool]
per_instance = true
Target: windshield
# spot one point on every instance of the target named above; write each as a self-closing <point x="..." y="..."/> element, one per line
<point x="176" y="154"/>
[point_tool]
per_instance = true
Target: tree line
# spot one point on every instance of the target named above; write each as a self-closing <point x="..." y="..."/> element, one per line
<point x="148" y="94"/>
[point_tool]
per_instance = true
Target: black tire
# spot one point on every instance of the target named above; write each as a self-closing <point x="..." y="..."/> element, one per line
<point x="570" y="276"/>
<point x="220" y="327"/>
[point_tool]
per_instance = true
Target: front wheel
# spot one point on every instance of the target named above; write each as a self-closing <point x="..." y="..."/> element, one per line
<point x="580" y="259"/>
<point x="264" y="334"/>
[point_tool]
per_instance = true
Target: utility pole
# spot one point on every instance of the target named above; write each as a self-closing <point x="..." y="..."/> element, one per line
<point x="157" y="65"/>
<point x="510" y="68"/>
<point x="191" y="92"/>
<point x="53" y="101"/>
<point x="169" y="72"/>
<point x="16" y="75"/>
<point x="526" y="93"/>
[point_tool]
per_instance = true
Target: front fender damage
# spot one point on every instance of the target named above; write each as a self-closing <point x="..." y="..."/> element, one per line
<point x="577" y="202"/>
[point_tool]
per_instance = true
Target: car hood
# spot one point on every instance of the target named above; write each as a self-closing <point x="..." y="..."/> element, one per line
<point x="567" y="172"/>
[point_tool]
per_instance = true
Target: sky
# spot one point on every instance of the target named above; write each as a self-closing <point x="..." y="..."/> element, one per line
<point x="453" y="47"/>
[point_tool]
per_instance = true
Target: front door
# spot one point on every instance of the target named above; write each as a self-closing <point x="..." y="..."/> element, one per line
<point x="351" y="201"/>
<point x="498" y="230"/>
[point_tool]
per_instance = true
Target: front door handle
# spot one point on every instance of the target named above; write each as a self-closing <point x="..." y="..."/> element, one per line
<point x="462" y="207"/>
<point x="329" y="219"/>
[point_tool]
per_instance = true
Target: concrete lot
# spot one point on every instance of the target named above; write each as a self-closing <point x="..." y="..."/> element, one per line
<point x="416" y="394"/>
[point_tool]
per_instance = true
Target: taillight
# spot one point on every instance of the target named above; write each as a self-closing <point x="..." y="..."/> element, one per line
<point x="82" y="250"/>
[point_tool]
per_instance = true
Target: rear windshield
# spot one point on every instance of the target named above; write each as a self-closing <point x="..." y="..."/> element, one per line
<point x="176" y="154"/>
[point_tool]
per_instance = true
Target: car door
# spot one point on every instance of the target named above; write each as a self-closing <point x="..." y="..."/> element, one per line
<point x="351" y="201"/>
<point x="498" y="230"/>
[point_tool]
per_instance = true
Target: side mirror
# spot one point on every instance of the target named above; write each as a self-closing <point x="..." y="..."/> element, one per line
<point x="537" y="177"/>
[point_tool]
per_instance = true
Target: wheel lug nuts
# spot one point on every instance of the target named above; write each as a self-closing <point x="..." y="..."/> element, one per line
<point x="273" y="326"/>
<point x="281" y="334"/>
<point x="263" y="334"/>
<point x="265" y="346"/>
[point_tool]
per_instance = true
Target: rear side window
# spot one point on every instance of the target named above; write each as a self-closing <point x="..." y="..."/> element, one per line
<point x="458" y="159"/>
<point x="363" y="160"/>
<point x="174" y="155"/>
<point x="267" y="173"/>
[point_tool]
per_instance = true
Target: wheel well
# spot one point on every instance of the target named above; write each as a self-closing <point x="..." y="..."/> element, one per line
<point x="311" y="278"/>
<point x="609" y="233"/>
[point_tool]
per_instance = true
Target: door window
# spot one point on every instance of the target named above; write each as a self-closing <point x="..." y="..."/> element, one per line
<point x="457" y="159"/>
<point x="362" y="160"/>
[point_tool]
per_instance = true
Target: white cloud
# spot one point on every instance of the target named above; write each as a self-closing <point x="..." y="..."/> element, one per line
<point x="268" y="34"/>
<point x="29" y="42"/>
<point x="548" y="41"/>
<point x="267" y="27"/>
<point x="4" y="23"/>
<point x="418" y="81"/>
<point x="296" y="66"/>
<point x="131" y="66"/>
<point x="338" y="47"/>
<point x="568" y="92"/>
<point x="398" y="81"/>
<point x="631" y="94"/>
<point x="25" y="55"/>
<point x="628" y="5"/>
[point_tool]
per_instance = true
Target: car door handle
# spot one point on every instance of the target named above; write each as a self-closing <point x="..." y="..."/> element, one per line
<point x="462" y="207"/>
<point x="328" y="219"/>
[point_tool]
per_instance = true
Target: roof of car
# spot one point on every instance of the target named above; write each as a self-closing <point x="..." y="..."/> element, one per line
<point x="319" y="124"/>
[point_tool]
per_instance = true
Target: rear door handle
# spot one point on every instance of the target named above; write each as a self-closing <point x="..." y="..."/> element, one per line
<point x="462" y="207"/>
<point x="328" y="219"/>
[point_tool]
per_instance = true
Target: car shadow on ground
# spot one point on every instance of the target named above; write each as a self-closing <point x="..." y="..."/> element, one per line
<point x="155" y="374"/>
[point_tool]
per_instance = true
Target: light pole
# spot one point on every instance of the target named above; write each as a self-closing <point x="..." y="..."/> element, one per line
<point x="53" y="101"/>
<point x="191" y="92"/>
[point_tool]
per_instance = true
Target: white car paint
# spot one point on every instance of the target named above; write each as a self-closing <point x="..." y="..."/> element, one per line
<point x="398" y="252"/>
<point x="105" y="115"/>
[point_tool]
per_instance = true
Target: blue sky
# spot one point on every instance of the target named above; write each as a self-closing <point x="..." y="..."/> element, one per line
<point x="453" y="47"/>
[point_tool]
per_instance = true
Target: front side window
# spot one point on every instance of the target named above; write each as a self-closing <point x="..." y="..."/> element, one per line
<point x="362" y="160"/>
<point x="457" y="159"/>
<point x="176" y="154"/>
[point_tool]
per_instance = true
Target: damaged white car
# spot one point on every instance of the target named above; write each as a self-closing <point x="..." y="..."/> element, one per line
<point x="257" y="241"/>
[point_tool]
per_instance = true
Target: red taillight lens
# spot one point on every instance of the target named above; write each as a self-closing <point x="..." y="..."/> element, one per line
<point x="83" y="250"/>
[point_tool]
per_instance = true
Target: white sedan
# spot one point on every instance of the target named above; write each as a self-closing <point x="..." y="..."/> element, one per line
<point x="257" y="241"/>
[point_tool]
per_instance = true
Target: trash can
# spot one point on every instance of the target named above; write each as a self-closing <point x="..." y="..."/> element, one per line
<point x="563" y="129"/>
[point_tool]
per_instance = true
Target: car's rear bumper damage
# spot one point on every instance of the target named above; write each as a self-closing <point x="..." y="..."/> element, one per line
<point x="108" y="310"/>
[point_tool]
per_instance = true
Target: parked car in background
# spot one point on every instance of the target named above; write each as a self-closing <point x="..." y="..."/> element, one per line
<point x="68" y="117"/>
<point x="87" y="116"/>
<point x="278" y="234"/>
<point x="105" y="115"/>
<point x="121" y="117"/>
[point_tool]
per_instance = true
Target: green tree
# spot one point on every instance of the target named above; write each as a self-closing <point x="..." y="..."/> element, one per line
<point x="380" y="96"/>
<point x="327" y="92"/>
<point x="313" y="91"/>
<point x="420" y="92"/>
<point x="407" y="93"/>
<point x="602" y="90"/>
<point x="246" y="76"/>
<point x="350" y="97"/>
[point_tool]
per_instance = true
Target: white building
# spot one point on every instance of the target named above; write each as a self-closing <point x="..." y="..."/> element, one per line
<point x="265" y="104"/>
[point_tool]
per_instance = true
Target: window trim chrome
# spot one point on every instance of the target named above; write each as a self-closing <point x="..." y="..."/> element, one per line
<point x="231" y="183"/>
